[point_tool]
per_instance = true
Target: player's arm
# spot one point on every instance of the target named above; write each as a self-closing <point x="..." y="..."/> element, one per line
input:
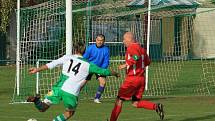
<point x="86" y="55"/>
<point x="50" y="65"/>
<point x="147" y="60"/>
<point x="134" y="57"/>
<point x="106" y="59"/>
<point x="35" y="70"/>
<point x="122" y="66"/>
<point x="105" y="72"/>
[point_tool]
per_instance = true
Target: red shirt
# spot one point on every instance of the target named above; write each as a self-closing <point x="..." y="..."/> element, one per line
<point x="136" y="60"/>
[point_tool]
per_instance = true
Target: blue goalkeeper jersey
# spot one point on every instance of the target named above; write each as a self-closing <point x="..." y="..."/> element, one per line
<point x="98" y="55"/>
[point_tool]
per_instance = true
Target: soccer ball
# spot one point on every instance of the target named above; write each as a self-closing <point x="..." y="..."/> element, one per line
<point x="32" y="119"/>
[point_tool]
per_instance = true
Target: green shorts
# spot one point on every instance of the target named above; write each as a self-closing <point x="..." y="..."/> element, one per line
<point x="56" y="95"/>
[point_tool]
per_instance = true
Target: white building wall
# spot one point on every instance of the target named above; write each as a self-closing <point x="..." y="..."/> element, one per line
<point x="204" y="33"/>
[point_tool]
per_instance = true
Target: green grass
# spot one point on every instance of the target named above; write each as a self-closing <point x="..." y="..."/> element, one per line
<point x="177" y="108"/>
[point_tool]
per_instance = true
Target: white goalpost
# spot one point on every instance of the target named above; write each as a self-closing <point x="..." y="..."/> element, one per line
<point x="68" y="43"/>
<point x="148" y="41"/>
<point x="18" y="48"/>
<point x="41" y="35"/>
<point x="69" y="27"/>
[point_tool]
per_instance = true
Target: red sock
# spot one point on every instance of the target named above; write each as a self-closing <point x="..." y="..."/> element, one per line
<point x="115" y="112"/>
<point x="146" y="104"/>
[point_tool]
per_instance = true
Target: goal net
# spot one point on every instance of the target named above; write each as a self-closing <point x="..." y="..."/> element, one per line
<point x="181" y="44"/>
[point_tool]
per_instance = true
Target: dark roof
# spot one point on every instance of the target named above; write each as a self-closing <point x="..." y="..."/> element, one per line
<point x="186" y="3"/>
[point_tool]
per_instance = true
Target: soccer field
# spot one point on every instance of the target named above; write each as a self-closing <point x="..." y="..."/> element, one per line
<point x="176" y="108"/>
<point x="178" y="35"/>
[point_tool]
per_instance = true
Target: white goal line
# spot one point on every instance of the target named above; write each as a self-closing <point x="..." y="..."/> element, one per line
<point x="109" y="42"/>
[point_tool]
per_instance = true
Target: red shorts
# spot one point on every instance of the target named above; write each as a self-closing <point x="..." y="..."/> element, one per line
<point x="133" y="87"/>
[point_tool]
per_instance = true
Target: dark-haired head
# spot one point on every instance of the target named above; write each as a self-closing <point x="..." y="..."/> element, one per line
<point x="79" y="47"/>
<point x="102" y="36"/>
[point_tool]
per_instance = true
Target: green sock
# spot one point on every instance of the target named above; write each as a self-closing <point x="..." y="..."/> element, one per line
<point x="60" y="117"/>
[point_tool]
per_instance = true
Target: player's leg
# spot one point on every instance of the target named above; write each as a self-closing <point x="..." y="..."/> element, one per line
<point x="117" y="109"/>
<point x="139" y="83"/>
<point x="150" y="106"/>
<point x="143" y="104"/>
<point x="70" y="103"/>
<point x="51" y="98"/>
<point x="138" y="103"/>
<point x="125" y="93"/>
<point x="40" y="105"/>
<point x="100" y="89"/>
<point x="64" y="116"/>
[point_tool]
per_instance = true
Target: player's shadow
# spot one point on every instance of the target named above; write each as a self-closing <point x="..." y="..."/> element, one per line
<point x="157" y="98"/>
<point x="147" y="98"/>
<point x="207" y="117"/>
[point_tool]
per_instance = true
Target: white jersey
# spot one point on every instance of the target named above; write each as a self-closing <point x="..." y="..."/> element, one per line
<point x="77" y="70"/>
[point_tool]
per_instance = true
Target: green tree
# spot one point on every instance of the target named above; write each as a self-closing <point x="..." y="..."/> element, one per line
<point x="6" y="7"/>
<point x="213" y="1"/>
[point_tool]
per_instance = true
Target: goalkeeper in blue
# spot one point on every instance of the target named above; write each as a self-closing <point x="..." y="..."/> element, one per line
<point x="75" y="69"/>
<point x="98" y="54"/>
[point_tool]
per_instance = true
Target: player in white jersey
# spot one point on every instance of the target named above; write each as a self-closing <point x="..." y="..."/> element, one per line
<point x="74" y="72"/>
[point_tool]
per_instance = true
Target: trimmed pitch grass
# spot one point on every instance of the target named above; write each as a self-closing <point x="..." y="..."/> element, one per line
<point x="176" y="108"/>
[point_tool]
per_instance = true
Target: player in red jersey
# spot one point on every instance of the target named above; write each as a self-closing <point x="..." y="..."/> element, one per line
<point x="134" y="83"/>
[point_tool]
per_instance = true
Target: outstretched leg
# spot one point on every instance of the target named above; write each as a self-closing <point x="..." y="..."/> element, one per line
<point x="41" y="106"/>
<point x="144" y="104"/>
<point x="150" y="106"/>
<point x="65" y="116"/>
<point x="116" y="110"/>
